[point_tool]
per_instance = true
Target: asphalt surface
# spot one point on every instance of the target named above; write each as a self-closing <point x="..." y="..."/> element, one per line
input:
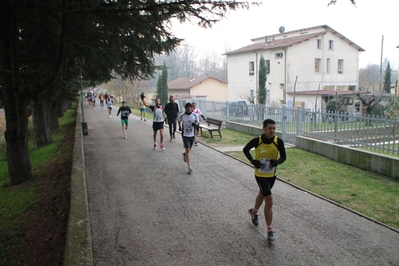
<point x="146" y="210"/>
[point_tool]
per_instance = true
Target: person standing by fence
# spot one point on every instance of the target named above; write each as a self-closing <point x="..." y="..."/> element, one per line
<point x="269" y="152"/>
<point x="198" y="113"/>
<point x="142" y="107"/>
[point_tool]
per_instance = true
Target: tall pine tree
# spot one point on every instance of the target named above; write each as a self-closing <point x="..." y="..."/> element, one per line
<point x="387" y="79"/>
<point x="262" y="80"/>
<point x="162" y="85"/>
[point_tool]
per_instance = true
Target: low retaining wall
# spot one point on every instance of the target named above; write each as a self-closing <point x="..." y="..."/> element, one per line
<point x="373" y="162"/>
<point x="365" y="160"/>
<point x="78" y="243"/>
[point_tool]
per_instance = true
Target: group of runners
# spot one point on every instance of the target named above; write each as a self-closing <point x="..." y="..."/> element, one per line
<point x="269" y="149"/>
<point x="188" y="122"/>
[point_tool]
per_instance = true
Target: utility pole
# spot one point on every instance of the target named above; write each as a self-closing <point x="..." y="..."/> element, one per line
<point x="382" y="48"/>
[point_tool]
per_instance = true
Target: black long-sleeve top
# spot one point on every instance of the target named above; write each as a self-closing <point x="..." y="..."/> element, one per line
<point x="171" y="110"/>
<point x="255" y="143"/>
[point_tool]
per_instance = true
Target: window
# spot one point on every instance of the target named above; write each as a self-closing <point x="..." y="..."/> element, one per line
<point x="331" y="45"/>
<point x="279" y="55"/>
<point x="251" y="68"/>
<point x="328" y="66"/>
<point x="317" y="65"/>
<point x="318" y="44"/>
<point x="340" y="66"/>
<point x="267" y="66"/>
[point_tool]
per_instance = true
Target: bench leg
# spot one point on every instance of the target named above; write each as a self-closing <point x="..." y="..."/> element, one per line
<point x="201" y="130"/>
<point x="220" y="134"/>
<point x="210" y="132"/>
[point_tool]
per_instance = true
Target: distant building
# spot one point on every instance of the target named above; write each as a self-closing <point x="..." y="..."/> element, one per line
<point x="306" y="67"/>
<point x="205" y="87"/>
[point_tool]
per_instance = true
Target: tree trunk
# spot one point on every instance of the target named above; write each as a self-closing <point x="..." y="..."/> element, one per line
<point x="41" y="119"/>
<point x="53" y="118"/>
<point x="16" y="135"/>
<point x="15" y="105"/>
<point x="61" y="107"/>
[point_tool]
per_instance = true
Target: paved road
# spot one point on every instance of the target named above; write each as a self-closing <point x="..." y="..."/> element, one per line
<point x="146" y="210"/>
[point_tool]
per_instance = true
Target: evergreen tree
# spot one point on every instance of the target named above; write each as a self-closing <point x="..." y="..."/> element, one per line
<point x="387" y="79"/>
<point x="164" y="84"/>
<point x="262" y="80"/>
<point x="41" y="40"/>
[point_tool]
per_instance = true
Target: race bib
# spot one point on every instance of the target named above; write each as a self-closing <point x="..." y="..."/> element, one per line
<point x="265" y="166"/>
<point x="188" y="129"/>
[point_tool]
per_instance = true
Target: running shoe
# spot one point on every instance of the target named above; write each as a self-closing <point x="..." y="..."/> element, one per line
<point x="155" y="146"/>
<point x="162" y="147"/>
<point x="125" y="136"/>
<point x="254" y="217"/>
<point x="141" y="118"/>
<point x="190" y="169"/>
<point x="184" y="157"/>
<point x="196" y="143"/>
<point x="270" y="236"/>
<point x="145" y="120"/>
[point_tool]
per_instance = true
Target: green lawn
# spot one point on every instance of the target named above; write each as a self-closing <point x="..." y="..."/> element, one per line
<point x="16" y="202"/>
<point x="373" y="195"/>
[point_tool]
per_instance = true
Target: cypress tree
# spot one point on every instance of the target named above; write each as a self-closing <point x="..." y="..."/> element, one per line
<point x="262" y="80"/>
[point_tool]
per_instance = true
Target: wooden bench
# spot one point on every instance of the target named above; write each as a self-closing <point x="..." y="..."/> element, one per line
<point x="211" y="125"/>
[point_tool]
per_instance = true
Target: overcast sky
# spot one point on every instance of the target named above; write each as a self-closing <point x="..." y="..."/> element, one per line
<point x="364" y="25"/>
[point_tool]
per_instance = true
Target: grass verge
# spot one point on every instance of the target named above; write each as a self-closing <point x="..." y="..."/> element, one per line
<point x="34" y="215"/>
<point x="371" y="194"/>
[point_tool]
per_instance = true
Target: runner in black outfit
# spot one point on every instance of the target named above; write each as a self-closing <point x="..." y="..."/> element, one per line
<point x="172" y="111"/>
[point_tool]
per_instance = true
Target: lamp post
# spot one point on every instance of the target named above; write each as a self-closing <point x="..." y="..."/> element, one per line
<point x="79" y="63"/>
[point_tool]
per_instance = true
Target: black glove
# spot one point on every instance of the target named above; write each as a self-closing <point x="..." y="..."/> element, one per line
<point x="179" y="128"/>
<point x="193" y="124"/>
<point x="255" y="163"/>
<point x="273" y="163"/>
<point x="203" y="117"/>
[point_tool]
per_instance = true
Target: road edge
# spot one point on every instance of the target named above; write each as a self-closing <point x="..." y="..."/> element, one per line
<point x="78" y="248"/>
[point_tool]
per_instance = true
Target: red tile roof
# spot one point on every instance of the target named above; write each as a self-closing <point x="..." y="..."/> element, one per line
<point x="290" y="41"/>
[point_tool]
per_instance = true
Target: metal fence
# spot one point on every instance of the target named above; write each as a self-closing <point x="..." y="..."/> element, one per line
<point x="371" y="133"/>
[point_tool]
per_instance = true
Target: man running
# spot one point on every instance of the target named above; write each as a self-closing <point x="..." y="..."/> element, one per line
<point x="187" y="124"/>
<point x="269" y="152"/>
<point x="158" y="121"/>
<point x="172" y="111"/>
<point x="125" y="111"/>
<point x="109" y="102"/>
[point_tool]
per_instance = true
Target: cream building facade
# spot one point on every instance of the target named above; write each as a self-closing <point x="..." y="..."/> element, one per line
<point x="306" y="67"/>
<point x="205" y="87"/>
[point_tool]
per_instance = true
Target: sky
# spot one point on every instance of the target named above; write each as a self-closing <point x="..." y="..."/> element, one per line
<point x="364" y="24"/>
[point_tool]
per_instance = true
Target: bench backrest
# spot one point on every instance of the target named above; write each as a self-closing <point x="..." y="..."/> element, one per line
<point x="214" y="121"/>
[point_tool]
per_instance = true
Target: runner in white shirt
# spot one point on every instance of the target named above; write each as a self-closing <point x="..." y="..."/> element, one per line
<point x="188" y="121"/>
<point x="157" y="124"/>
<point x="109" y="102"/>
<point x="198" y="113"/>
